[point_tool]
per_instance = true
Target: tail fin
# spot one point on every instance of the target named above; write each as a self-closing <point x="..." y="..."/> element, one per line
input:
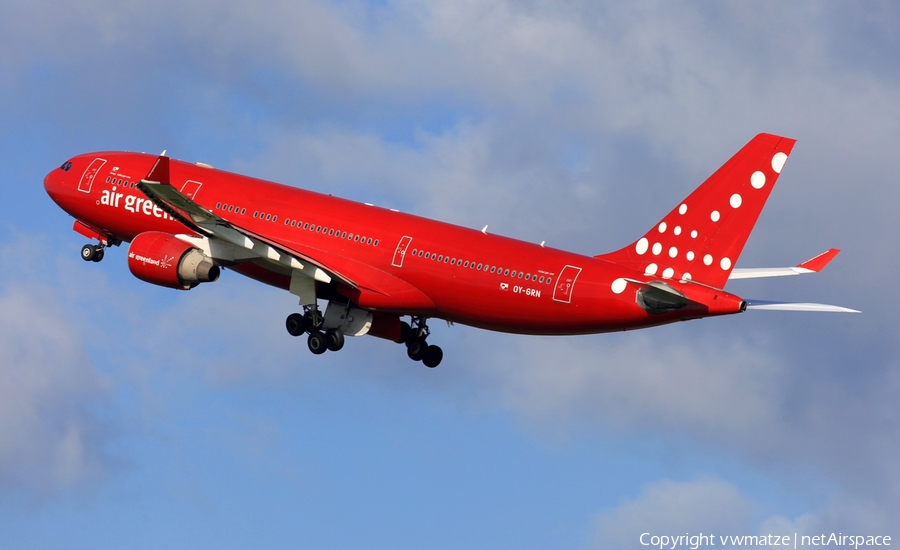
<point x="702" y="237"/>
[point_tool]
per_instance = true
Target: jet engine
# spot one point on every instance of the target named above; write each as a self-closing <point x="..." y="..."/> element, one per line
<point x="163" y="259"/>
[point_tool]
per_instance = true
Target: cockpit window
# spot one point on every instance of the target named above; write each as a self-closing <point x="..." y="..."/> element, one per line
<point x="66" y="165"/>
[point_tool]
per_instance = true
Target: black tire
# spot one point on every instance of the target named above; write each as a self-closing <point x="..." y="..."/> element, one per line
<point x="88" y="252"/>
<point x="334" y="339"/>
<point x="433" y="357"/>
<point x="98" y="255"/>
<point x="417" y="350"/>
<point x="296" y="324"/>
<point x="406" y="333"/>
<point x="316" y="342"/>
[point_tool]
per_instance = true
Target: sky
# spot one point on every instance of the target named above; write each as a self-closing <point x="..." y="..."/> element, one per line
<point x="133" y="416"/>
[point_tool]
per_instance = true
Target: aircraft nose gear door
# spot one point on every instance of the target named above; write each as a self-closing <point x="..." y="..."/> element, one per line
<point x="565" y="283"/>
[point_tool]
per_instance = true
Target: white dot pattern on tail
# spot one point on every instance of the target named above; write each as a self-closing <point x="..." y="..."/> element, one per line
<point x="778" y="162"/>
<point x="641" y="246"/>
<point x="757" y="180"/>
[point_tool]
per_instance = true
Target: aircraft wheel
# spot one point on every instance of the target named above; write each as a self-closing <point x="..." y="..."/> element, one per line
<point x="417" y="350"/>
<point x="296" y="324"/>
<point x="433" y="356"/>
<point x="98" y="255"/>
<point x="334" y="339"/>
<point x="316" y="342"/>
<point x="406" y="333"/>
<point x="88" y="252"/>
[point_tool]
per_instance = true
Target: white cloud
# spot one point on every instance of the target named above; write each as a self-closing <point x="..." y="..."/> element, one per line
<point x="50" y="435"/>
<point x="704" y="506"/>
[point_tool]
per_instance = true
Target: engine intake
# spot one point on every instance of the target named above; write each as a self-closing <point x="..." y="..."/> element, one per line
<point x="163" y="259"/>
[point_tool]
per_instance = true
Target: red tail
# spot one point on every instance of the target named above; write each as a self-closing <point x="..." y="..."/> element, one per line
<point x="701" y="238"/>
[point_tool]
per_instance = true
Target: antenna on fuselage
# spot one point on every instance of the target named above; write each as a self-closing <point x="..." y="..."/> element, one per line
<point x="484" y="230"/>
<point x="163" y="153"/>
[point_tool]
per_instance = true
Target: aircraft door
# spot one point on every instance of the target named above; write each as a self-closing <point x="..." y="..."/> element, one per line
<point x="565" y="284"/>
<point x="400" y="252"/>
<point x="87" y="179"/>
<point x="190" y="188"/>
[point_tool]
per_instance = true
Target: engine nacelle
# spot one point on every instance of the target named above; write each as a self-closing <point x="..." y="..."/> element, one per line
<point x="163" y="259"/>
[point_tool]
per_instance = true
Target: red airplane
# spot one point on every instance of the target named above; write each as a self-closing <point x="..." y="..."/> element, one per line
<point x="374" y="266"/>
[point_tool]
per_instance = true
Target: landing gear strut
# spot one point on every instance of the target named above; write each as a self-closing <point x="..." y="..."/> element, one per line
<point x="417" y="347"/>
<point x="92" y="253"/>
<point x="311" y="321"/>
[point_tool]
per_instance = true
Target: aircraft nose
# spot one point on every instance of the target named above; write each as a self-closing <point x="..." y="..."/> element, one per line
<point x="53" y="182"/>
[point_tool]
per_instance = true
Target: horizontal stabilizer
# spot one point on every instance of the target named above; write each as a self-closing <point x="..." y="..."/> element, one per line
<point x="813" y="265"/>
<point x="788" y="306"/>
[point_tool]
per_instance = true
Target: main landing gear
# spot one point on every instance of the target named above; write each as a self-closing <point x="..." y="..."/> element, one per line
<point x="92" y="253"/>
<point x="311" y="321"/>
<point x="319" y="341"/>
<point x="414" y="336"/>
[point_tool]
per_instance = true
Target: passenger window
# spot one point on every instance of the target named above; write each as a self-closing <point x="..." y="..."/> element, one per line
<point x="506" y="272"/>
<point x="255" y="214"/>
<point x="243" y="211"/>
<point x="344" y="235"/>
<point x="376" y="242"/>
<point x="492" y="269"/>
<point x="274" y="218"/>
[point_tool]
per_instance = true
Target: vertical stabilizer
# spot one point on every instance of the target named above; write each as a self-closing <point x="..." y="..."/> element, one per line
<point x="702" y="237"/>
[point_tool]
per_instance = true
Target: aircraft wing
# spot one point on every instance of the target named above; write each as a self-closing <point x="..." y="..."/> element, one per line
<point x="813" y="265"/>
<point x="157" y="187"/>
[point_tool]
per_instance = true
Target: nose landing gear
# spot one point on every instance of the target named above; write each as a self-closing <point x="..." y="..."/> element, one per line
<point x="92" y="253"/>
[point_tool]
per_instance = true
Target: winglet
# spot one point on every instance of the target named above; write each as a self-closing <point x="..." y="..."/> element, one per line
<point x="819" y="262"/>
<point x="160" y="171"/>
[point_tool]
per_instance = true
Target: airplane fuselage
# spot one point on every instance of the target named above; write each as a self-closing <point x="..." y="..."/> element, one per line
<point x="402" y="264"/>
